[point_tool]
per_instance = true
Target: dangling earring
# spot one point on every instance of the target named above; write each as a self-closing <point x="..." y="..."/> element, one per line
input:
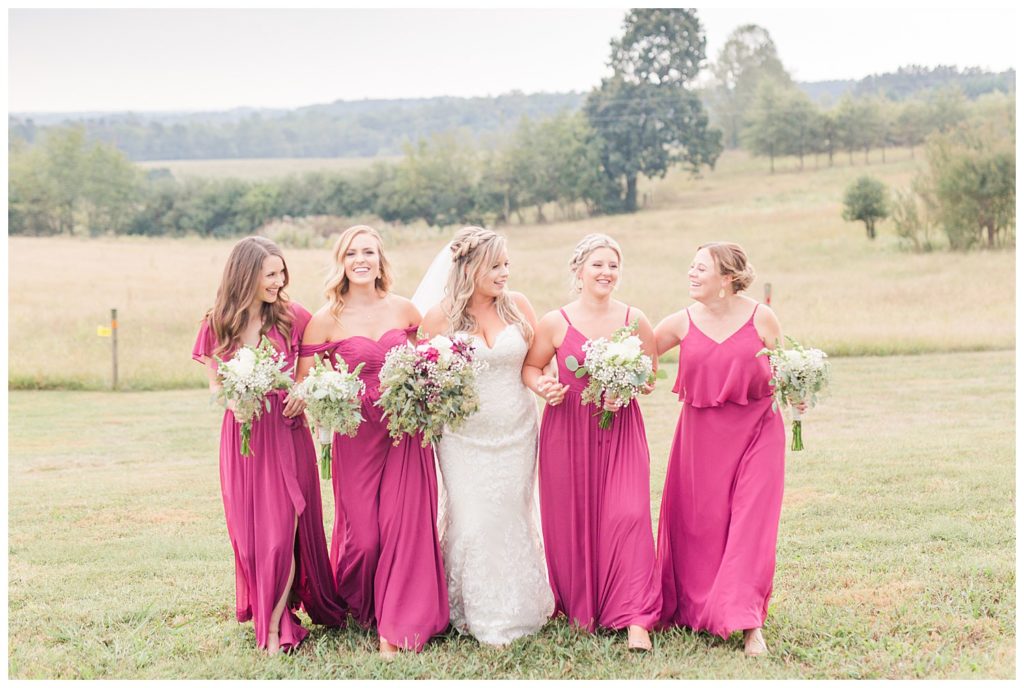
<point x="721" y="293"/>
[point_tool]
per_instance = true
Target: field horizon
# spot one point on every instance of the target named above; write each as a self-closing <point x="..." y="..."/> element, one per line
<point x="831" y="287"/>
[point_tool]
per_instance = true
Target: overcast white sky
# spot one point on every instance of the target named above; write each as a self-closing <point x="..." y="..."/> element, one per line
<point x="119" y="59"/>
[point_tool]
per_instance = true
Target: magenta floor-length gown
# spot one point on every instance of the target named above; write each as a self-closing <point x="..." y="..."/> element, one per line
<point x="723" y="490"/>
<point x="384" y="549"/>
<point x="262" y="494"/>
<point x="595" y="501"/>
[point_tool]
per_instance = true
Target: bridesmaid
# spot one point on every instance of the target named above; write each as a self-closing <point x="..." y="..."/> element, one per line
<point x="723" y="490"/>
<point x="595" y="495"/>
<point x="271" y="498"/>
<point x="384" y="549"/>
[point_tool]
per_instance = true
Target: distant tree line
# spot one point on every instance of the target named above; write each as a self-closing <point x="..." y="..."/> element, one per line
<point x="782" y="121"/>
<point x="641" y="121"/>
<point x="371" y="128"/>
<point x="342" y="129"/>
<point x="967" y="190"/>
<point x="754" y="101"/>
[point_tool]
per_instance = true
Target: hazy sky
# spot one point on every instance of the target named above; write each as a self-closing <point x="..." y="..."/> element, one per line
<point x="117" y="59"/>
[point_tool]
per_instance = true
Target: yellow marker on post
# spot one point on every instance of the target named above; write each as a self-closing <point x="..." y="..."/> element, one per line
<point x="104" y="331"/>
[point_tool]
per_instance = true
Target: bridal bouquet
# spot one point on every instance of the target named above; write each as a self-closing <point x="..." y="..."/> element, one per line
<point x="246" y="379"/>
<point x="798" y="375"/>
<point x="333" y="404"/>
<point x="425" y="388"/>
<point x="618" y="369"/>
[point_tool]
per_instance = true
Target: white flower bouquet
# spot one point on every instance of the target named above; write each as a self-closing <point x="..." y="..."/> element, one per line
<point x="333" y="403"/>
<point x="618" y="369"/>
<point x="426" y="388"/>
<point x="246" y="379"/>
<point x="798" y="375"/>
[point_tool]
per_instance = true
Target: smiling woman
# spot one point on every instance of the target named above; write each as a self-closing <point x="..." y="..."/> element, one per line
<point x="497" y="585"/>
<point x="594" y="482"/>
<point x="384" y="548"/>
<point x="271" y="498"/>
<point x="723" y="491"/>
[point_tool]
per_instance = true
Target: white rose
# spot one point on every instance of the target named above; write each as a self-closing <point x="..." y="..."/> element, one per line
<point x="444" y="348"/>
<point x="631" y="348"/>
<point x="623" y="352"/>
<point x="793" y="356"/>
<point x="243" y="363"/>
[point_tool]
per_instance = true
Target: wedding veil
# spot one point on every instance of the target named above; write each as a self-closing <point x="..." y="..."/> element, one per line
<point x="431" y="288"/>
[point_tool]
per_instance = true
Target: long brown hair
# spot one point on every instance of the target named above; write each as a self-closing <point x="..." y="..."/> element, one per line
<point x="238" y="286"/>
<point x="336" y="284"/>
<point x="473" y="249"/>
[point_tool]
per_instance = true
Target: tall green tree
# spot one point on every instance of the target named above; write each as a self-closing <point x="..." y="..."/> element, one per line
<point x="971" y="185"/>
<point x="748" y="57"/>
<point x="911" y="124"/>
<point x="769" y="130"/>
<point x="804" y="130"/>
<point x="645" y="116"/>
<point x="851" y="132"/>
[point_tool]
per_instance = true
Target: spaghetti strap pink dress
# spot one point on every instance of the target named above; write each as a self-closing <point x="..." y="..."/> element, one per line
<point x="723" y="490"/>
<point x="384" y="549"/>
<point x="262" y="494"/>
<point x="595" y="501"/>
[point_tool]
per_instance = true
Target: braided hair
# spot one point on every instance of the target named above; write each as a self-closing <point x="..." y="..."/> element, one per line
<point x="474" y="250"/>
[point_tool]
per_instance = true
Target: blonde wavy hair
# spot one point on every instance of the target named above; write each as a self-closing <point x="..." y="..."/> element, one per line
<point x="584" y="248"/>
<point x="475" y="250"/>
<point x="337" y="283"/>
<point x="731" y="260"/>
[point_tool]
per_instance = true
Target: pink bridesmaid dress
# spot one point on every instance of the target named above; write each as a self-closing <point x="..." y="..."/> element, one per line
<point x="384" y="549"/>
<point x="595" y="501"/>
<point x="262" y="493"/>
<point x="723" y="490"/>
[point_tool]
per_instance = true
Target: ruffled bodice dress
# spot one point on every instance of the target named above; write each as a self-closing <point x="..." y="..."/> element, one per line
<point x="723" y="490"/>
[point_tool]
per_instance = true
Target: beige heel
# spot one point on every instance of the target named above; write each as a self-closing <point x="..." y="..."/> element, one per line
<point x="753" y="643"/>
<point x="639" y="639"/>
<point x="387" y="650"/>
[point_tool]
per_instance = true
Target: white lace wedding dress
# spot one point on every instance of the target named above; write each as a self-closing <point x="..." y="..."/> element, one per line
<point x="497" y="578"/>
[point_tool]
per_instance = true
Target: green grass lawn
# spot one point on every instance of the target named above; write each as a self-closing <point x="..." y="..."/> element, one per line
<point x="895" y="560"/>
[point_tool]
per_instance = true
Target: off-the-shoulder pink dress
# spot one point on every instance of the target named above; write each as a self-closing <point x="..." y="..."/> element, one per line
<point x="384" y="548"/>
<point x="262" y="494"/>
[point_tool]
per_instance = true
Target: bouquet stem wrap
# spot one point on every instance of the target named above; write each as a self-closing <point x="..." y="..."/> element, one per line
<point x="325" y="435"/>
<point x="798" y="433"/>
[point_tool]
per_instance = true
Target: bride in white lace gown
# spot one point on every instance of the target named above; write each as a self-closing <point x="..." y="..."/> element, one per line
<point x="497" y="578"/>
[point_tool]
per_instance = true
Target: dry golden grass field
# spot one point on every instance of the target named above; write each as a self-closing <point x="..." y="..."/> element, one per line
<point x="832" y="288"/>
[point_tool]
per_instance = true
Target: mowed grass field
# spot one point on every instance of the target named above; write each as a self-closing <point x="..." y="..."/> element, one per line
<point x="832" y="288"/>
<point x="895" y="557"/>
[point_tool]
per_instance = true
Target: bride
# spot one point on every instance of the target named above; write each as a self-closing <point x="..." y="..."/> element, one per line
<point x="497" y="578"/>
